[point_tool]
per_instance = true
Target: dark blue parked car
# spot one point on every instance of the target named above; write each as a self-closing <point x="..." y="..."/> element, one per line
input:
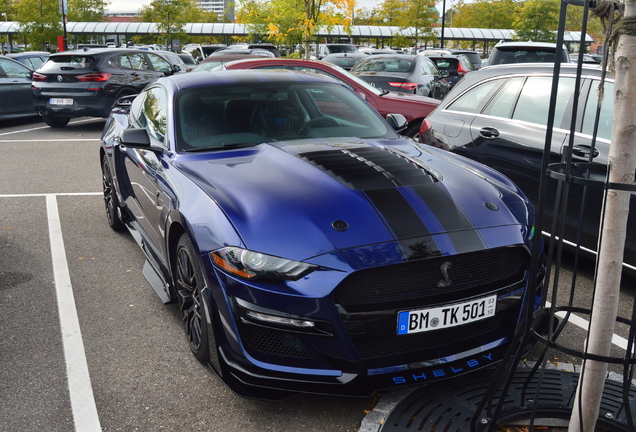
<point x="311" y="248"/>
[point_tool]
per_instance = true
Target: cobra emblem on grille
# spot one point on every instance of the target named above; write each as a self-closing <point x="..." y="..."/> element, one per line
<point x="59" y="78"/>
<point x="446" y="282"/>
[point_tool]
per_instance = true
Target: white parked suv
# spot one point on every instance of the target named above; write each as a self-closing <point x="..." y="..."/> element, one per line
<point x="526" y="52"/>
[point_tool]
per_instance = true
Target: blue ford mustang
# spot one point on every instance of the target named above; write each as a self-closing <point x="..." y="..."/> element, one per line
<point x="309" y="246"/>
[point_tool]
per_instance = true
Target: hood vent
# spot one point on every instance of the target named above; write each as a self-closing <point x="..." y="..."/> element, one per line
<point x="368" y="168"/>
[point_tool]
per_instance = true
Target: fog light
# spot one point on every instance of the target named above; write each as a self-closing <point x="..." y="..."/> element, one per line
<point x="279" y="320"/>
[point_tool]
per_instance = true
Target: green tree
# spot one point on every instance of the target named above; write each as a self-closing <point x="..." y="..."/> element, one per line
<point x="420" y="16"/>
<point x="390" y="12"/>
<point x="171" y="17"/>
<point x="40" y="22"/>
<point x="492" y="14"/>
<point x="285" y="20"/>
<point x="537" y="20"/>
<point x="87" y="10"/>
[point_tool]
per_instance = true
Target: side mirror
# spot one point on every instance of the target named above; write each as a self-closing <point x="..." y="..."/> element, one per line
<point x="136" y="138"/>
<point x="176" y="68"/>
<point x="444" y="74"/>
<point x="397" y="121"/>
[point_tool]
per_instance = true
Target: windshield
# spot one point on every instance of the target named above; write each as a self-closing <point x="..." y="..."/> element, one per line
<point x="342" y="48"/>
<point x="217" y="117"/>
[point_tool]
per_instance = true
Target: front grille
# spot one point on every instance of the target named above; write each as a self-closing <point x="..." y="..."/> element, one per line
<point x="395" y="345"/>
<point x="398" y="285"/>
<point x="273" y="342"/>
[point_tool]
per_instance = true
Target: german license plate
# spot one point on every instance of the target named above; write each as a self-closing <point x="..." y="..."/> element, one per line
<point x="442" y="317"/>
<point x="58" y="101"/>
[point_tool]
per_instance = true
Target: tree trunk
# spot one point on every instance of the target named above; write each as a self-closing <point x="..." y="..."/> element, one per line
<point x="622" y="163"/>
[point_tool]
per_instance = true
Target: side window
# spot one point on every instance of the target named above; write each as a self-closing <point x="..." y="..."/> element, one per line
<point x="428" y="68"/>
<point x="605" y="119"/>
<point x="13" y="70"/>
<point x="476" y="97"/>
<point x="535" y="99"/>
<point x="135" y="61"/>
<point x="503" y="103"/>
<point x="159" y="63"/>
<point x="153" y="115"/>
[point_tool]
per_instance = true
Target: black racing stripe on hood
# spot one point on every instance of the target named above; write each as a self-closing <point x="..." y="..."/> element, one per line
<point x="398" y="213"/>
<point x="458" y="226"/>
<point x="368" y="168"/>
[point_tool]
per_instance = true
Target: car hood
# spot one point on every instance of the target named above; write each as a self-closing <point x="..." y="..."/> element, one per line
<point x="307" y="198"/>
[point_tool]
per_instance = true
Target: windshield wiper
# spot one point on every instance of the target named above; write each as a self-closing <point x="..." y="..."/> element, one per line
<point x="223" y="146"/>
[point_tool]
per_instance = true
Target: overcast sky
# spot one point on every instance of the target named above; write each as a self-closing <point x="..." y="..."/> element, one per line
<point x="135" y="5"/>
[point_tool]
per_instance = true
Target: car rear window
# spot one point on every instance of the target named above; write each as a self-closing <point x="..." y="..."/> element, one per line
<point x="385" y="65"/>
<point x="505" y="55"/>
<point x="68" y="62"/>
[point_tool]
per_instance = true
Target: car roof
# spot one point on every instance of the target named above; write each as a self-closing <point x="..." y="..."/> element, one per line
<point x="97" y="51"/>
<point x="526" y="43"/>
<point x="395" y="56"/>
<point x="242" y="76"/>
<point x="28" y="54"/>
<point x="227" y="58"/>
<point x="532" y="68"/>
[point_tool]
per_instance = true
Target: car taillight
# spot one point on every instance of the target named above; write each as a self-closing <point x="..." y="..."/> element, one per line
<point x="94" y="77"/>
<point x="405" y="85"/>
<point x="38" y="77"/>
<point x="461" y="70"/>
<point x="425" y="126"/>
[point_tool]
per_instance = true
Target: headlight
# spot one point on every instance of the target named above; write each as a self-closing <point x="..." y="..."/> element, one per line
<point x="248" y="264"/>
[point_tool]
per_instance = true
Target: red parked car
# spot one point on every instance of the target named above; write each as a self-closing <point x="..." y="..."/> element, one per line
<point x="415" y="108"/>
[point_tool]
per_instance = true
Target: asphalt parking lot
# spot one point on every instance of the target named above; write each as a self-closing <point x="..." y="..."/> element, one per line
<point x="85" y="343"/>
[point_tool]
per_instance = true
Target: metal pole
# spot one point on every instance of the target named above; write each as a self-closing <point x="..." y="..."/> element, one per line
<point x="1" y="43"/>
<point x="441" y="42"/>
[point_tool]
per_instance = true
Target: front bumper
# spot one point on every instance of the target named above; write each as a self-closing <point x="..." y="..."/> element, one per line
<point x="360" y="353"/>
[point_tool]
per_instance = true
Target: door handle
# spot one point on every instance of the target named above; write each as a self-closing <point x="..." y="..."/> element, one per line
<point x="489" y="132"/>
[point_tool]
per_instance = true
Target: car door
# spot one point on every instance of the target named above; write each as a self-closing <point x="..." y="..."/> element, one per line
<point x="15" y="86"/>
<point x="160" y="64"/>
<point x="149" y="199"/>
<point x="138" y="69"/>
<point x="509" y="135"/>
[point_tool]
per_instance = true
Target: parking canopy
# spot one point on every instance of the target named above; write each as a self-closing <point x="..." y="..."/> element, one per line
<point x="234" y="29"/>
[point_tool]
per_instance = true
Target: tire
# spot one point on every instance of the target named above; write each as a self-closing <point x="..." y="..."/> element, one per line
<point x="189" y="282"/>
<point x="55" y="121"/>
<point x="110" y="198"/>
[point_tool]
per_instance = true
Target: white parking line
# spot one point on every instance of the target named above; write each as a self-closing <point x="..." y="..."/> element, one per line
<point x="79" y="381"/>
<point x="617" y="340"/>
<point x="47" y="127"/>
<point x="50" y="194"/>
<point x="49" y="140"/>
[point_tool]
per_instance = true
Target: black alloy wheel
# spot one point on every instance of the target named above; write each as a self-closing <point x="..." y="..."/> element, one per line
<point x="55" y="121"/>
<point x="110" y="198"/>
<point x="189" y="283"/>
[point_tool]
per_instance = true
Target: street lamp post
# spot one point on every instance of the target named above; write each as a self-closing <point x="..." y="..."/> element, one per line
<point x="441" y="42"/>
<point x="4" y="14"/>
